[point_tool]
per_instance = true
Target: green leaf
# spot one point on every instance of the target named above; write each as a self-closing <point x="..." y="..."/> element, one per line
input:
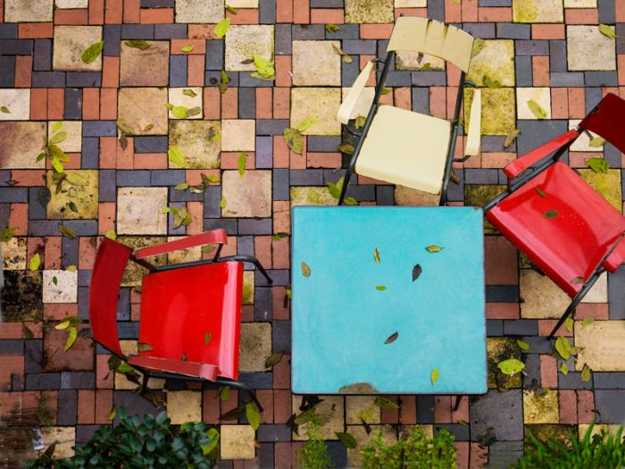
<point x="194" y="111"/>
<point x="540" y="192"/>
<point x="224" y="79"/>
<point x="187" y="49"/>
<point x="207" y="338"/>
<point x="568" y="324"/>
<point x="222" y="28"/>
<point x="306" y="123"/>
<point x="64" y="324"/>
<point x="5" y="110"/>
<point x="385" y="90"/>
<point x="71" y="338"/>
<point x="598" y="165"/>
<point x="176" y="157"/>
<point x="335" y="188"/>
<point x="391" y="338"/>
<point x="57" y="165"/>
<point x="242" y="162"/>
<point x="587" y="322"/>
<point x="347" y="439"/>
<point x="586" y="373"/>
<point x="551" y="213"/>
<point x="563" y="347"/>
<point x="213" y="437"/>
<point x="179" y="112"/>
<point x="252" y="414"/>
<point x="294" y="140"/>
<point x="92" y="52"/>
<point x="511" y="137"/>
<point x="380" y="287"/>
<point x="222" y="203"/>
<point x="608" y="31"/>
<point x="35" y="262"/>
<point x="58" y="138"/>
<point x="224" y="393"/>
<point x="71" y="268"/>
<point x="564" y="369"/>
<point x="305" y="268"/>
<point x="536" y="109"/>
<point x="265" y="69"/>
<point x="110" y="234"/>
<point x="189" y="92"/>
<point x="332" y="28"/>
<point x="273" y="359"/>
<point x="112" y="414"/>
<point x="7" y="233"/>
<point x="523" y="345"/>
<point x="181" y="186"/>
<point x="137" y="44"/>
<point x="385" y="403"/>
<point x="231" y="10"/>
<point x="350" y="201"/>
<point x="142" y="347"/>
<point x="490" y="83"/>
<point x="346" y="148"/>
<point x="67" y="231"/>
<point x="596" y="142"/>
<point x="360" y="121"/>
<point x="511" y="366"/>
<point x="434" y="375"/>
<point x="376" y="256"/>
<point x="433" y="248"/>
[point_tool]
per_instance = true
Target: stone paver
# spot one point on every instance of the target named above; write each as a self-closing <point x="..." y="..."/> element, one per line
<point x="243" y="42"/>
<point x="16" y="104"/>
<point x="69" y="44"/>
<point x="237" y="442"/>
<point x="28" y="10"/>
<point x="254" y="346"/>
<point x="537" y="11"/>
<point x="588" y="49"/>
<point x="22" y="144"/>
<point x="601" y="345"/>
<point x="184" y="406"/>
<point x="199" y="11"/>
<point x="247" y="195"/>
<point x="139" y="210"/>
<point x="144" y="67"/>
<point x="143" y="111"/>
<point x="316" y="63"/>
<point x="319" y="104"/>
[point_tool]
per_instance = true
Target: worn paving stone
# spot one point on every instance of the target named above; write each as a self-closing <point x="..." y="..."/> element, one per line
<point x="369" y="11"/>
<point x="497" y="415"/>
<point x="498" y="110"/>
<point x="16" y="11"/>
<point x="588" y="49"/>
<point x="254" y="346"/>
<point x="361" y="408"/>
<point x="184" y="406"/>
<point x="311" y="196"/>
<point x="607" y="184"/>
<point x="540" y="406"/>
<point x="139" y="210"/>
<point x="77" y="199"/>
<point x="190" y="97"/>
<point x="540" y="96"/>
<point x="243" y="42"/>
<point x="22" y="142"/>
<point x="64" y="439"/>
<point x="143" y="111"/>
<point x="237" y="442"/>
<point x="60" y="286"/>
<point x="14" y="253"/>
<point x="537" y="11"/>
<point x="199" y="11"/>
<point x="15" y="104"/>
<point x="321" y="104"/>
<point x="332" y="413"/>
<point x="71" y="3"/>
<point x="542" y="298"/>
<point x="247" y="195"/>
<point x="601" y="346"/>
<point x="199" y="142"/>
<point x="69" y="44"/>
<point x="73" y="129"/>
<point x="316" y="63"/>
<point x="238" y="135"/>
<point x="148" y="67"/>
<point x="492" y="63"/>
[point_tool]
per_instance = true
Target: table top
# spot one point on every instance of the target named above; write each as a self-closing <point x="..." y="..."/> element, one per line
<point x="360" y="322"/>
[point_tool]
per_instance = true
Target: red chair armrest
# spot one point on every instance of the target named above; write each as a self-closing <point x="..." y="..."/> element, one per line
<point x="210" y="237"/>
<point x="530" y="159"/>
<point x="616" y="258"/>
<point x="168" y="365"/>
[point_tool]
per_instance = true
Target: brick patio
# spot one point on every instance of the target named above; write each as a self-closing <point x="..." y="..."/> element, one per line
<point x="548" y="51"/>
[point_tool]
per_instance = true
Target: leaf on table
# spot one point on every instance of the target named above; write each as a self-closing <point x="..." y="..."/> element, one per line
<point x="176" y="156"/>
<point x="242" y="162"/>
<point x="187" y="49"/>
<point x="380" y="287"/>
<point x="596" y="141"/>
<point x="564" y="369"/>
<point x="222" y="28"/>
<point x="416" y="272"/>
<point x="586" y="373"/>
<point x="563" y="347"/>
<point x="392" y="338"/>
<point x="598" y="165"/>
<point x="536" y="109"/>
<point x="252" y="414"/>
<point x="347" y="439"/>
<point x="376" y="256"/>
<point x="332" y="28"/>
<point x="5" y="110"/>
<point x="511" y="366"/>
<point x="434" y="375"/>
<point x="434" y="248"/>
<point x="305" y="268"/>
<point x="189" y="92"/>
<point x="511" y="137"/>
<point x="273" y="359"/>
<point x="143" y="347"/>
<point x="67" y="231"/>
<point x="523" y="345"/>
<point x="568" y="324"/>
<point x="265" y="69"/>
<point x="137" y="44"/>
<point x="72" y="335"/>
<point x="92" y="52"/>
<point x="35" y="262"/>
<point x="551" y="213"/>
<point x="608" y="31"/>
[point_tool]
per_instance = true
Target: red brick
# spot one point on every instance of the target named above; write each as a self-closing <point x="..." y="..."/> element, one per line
<point x="568" y="406"/>
<point x="621" y="69"/>
<point x="18" y="218"/>
<point x="462" y="454"/>
<point x="104" y="376"/>
<point x="548" y="31"/>
<point x="453" y="11"/>
<point x="106" y="217"/>
<point x="502" y="311"/>
<point x="469" y="11"/>
<point x="438" y="102"/>
<point x="283" y="70"/>
<point x="110" y="72"/>
<point x="301" y="13"/>
<point x="585" y="406"/>
<point x="53" y="252"/>
<point x="280" y="308"/>
<point x="281" y="405"/>
<point x="281" y="253"/>
<point x="281" y="103"/>
<point x="479" y="455"/>
<point x="540" y="70"/>
<point x="495" y="14"/>
<point x="28" y="177"/>
<point x="196" y="210"/>
<point x="195" y="75"/>
<point x="79" y="16"/>
<point x="577" y="109"/>
<point x="230" y="160"/>
<point x="598" y="311"/>
<point x="376" y="31"/>
<point x="402" y="98"/>
<point x="462" y="414"/>
<point x="10" y="365"/>
<point x="103" y="405"/>
<point x="620" y="12"/>
<point x="442" y="409"/>
<point x="408" y="410"/>
<point x="125" y="157"/>
<point x="323" y="160"/>
<point x="501" y="261"/>
<point x="546" y="325"/>
<point x="581" y="16"/>
<point x="150" y="161"/>
<point x="264" y="103"/>
<point x="548" y="372"/>
<point x="229" y="404"/>
<point x="244" y="16"/>
<point x="210" y="407"/>
<point x="38" y="104"/>
<point x="157" y="15"/>
<point x="390" y="414"/>
<point x="90" y="103"/>
<point x="283" y="455"/>
<point x="35" y="30"/>
<point x="113" y="12"/>
<point x="132" y="11"/>
<point x="282" y="374"/>
<point x="212" y="103"/>
<point x="229" y="104"/>
<point x="23" y="71"/>
<point x="284" y="11"/>
<point x="201" y="31"/>
<point x="108" y="104"/>
<point x="86" y="406"/>
<point x="559" y="103"/>
<point x="96" y="11"/>
<point x="87" y="252"/>
<point x="56" y="103"/>
<point x="198" y="45"/>
<point x="59" y="311"/>
<point x="327" y="16"/>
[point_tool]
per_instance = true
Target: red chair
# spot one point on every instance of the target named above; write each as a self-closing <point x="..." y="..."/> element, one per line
<point x="569" y="231"/>
<point x="190" y="312"/>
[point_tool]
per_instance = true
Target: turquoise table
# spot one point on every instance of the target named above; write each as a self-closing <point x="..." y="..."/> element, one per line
<point x="360" y="323"/>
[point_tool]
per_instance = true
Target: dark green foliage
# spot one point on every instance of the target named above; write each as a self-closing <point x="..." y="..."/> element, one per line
<point x="413" y="450"/>
<point x="602" y="450"/>
<point x="314" y="453"/>
<point x="140" y="443"/>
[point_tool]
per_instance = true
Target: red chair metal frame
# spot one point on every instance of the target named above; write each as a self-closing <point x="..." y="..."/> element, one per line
<point x="105" y="289"/>
<point x="603" y="120"/>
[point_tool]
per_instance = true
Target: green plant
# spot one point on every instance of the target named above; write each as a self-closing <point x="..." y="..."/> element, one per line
<point x="139" y="443"/>
<point x="314" y="453"/>
<point x="601" y="450"/>
<point x="414" y="450"/>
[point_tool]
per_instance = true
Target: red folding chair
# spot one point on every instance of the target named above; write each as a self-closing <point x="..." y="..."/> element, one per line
<point x="568" y="231"/>
<point x="190" y="312"/>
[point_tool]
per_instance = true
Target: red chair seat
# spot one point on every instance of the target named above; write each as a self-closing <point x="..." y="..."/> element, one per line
<point x="190" y="319"/>
<point x="563" y="226"/>
<point x="201" y="370"/>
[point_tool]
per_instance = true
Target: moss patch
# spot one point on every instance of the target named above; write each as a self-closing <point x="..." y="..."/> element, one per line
<point x="498" y="110"/>
<point x="199" y="141"/>
<point x="524" y="11"/>
<point x="248" y="287"/>
<point x="21" y="296"/>
<point x="607" y="184"/>
<point x="369" y="11"/>
<point x="76" y="197"/>
<point x="492" y="63"/>
<point x="541" y="406"/>
<point x="500" y="349"/>
<point x="544" y="432"/>
<point x="311" y="196"/>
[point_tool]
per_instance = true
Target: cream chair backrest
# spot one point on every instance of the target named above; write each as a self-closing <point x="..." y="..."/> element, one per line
<point x="414" y="34"/>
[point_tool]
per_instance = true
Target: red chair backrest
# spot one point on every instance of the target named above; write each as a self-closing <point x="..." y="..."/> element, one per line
<point x="607" y="120"/>
<point x="106" y="279"/>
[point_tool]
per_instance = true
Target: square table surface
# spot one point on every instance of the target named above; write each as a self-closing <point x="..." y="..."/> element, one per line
<point x="347" y="302"/>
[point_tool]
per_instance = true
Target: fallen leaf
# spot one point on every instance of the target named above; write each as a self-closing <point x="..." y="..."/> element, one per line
<point x="61" y="326"/>
<point x="360" y="122"/>
<point x="224" y="393"/>
<point x="57" y="138"/>
<point x="141" y="347"/>
<point x="71" y="338"/>
<point x="563" y="347"/>
<point x="71" y="268"/>
<point x="433" y="248"/>
<point x="608" y="31"/>
<point x="511" y="137"/>
<point x="346" y="58"/>
<point x="523" y="345"/>
<point x="92" y="52"/>
<point x="346" y="148"/>
<point x="551" y="213"/>
<point x="347" y="439"/>
<point x="332" y="28"/>
<point x="294" y="140"/>
<point x="305" y="123"/>
<point x="568" y="324"/>
<point x="586" y="374"/>
<point x="67" y="231"/>
<point x="189" y="92"/>
<point x="416" y="272"/>
<point x="207" y="338"/>
<point x="265" y="69"/>
<point x="564" y="369"/>
<point x="598" y="165"/>
<point x="5" y="110"/>
<point x="35" y="262"/>
<point x="587" y="322"/>
<point x="540" y="192"/>
<point x="176" y="156"/>
<point x="273" y="359"/>
<point x="112" y="414"/>
<point x="434" y="375"/>
<point x="536" y="109"/>
<point x="231" y="10"/>
<point x="305" y="269"/>
<point x="110" y="234"/>
<point x="7" y="233"/>
<point x="252" y="414"/>
<point x="137" y="44"/>
<point x="376" y="256"/>
<point x="511" y="366"/>
<point x="242" y="162"/>
<point x="596" y="142"/>
<point x="187" y="49"/>
<point x="350" y="201"/>
<point x="179" y="112"/>
<point x="181" y="186"/>
<point x="385" y="403"/>
<point x="224" y="79"/>
<point x="578" y="280"/>
<point x="392" y="338"/>
<point x="380" y="287"/>
<point x="222" y="28"/>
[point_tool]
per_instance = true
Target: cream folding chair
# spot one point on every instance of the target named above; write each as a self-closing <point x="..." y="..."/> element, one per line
<point x="404" y="147"/>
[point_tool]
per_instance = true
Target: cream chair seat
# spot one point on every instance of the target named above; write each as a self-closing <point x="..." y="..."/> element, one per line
<point x="406" y="148"/>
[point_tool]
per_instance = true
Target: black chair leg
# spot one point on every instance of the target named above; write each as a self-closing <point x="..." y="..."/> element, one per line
<point x="457" y="403"/>
<point x="242" y="387"/>
<point x="348" y="175"/>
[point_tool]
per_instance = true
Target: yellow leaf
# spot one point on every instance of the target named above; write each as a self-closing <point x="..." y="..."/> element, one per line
<point x="536" y="109"/>
<point x="222" y="28"/>
<point x="434" y="376"/>
<point x="63" y="325"/>
<point x="35" y="262"/>
<point x="607" y="30"/>
<point x="71" y="338"/>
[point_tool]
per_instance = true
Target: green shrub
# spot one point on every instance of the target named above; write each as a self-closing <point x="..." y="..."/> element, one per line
<point x="602" y="450"/>
<point x="413" y="450"/>
<point x="140" y="443"/>
<point x="314" y="453"/>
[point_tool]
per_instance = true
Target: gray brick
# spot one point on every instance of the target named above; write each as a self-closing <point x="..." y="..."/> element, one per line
<point x="134" y="403"/>
<point x="424" y="408"/>
<point x="106" y="187"/>
<point x="567" y="79"/>
<point x="502" y="293"/>
<point x="481" y="30"/>
<point x="532" y="48"/>
<point x="612" y="380"/>
<point x="429" y="78"/>
<point x="128" y="330"/>
<point x="349" y="72"/>
<point x="523" y="71"/>
<point x="271" y="126"/>
<point x="264" y="152"/>
<point x="14" y="194"/>
<point x="90" y="153"/>
<point x="8" y="31"/>
<point x="436" y="9"/>
<point x="123" y="304"/>
<point x="246" y="79"/>
<point x="421" y="100"/>
<point x="326" y="3"/>
<point x="593" y="97"/>
<point x="212" y="77"/>
<point x="283" y="39"/>
<point x="498" y="415"/>
<point x="84" y="79"/>
<point x="257" y="380"/>
<point x="112" y="39"/>
<point x="605" y="78"/>
<point x="494" y="327"/>
<point x="170" y="31"/>
<point x="68" y="405"/>
<point x="357" y="46"/>
<point x="212" y="198"/>
<point x="48" y="79"/>
<point x="495" y="3"/>
<point x="493" y="143"/>
<point x="77" y="380"/>
<point x="460" y="431"/>
<point x="323" y="143"/>
<point x="84" y="433"/>
<point x="43" y="381"/>
<point x="280" y="178"/>
<point x="245" y="247"/>
<point x="167" y="177"/>
<point x="557" y="56"/>
<point x="230" y="225"/>
<point x="573" y="380"/>
<point x="267" y="11"/>
<point x="150" y="144"/>
<point x="616" y="299"/>
<point x="7" y="71"/>
<point x="137" y="31"/>
<point x="347" y="31"/>
<point x="16" y="47"/>
<point x="11" y="347"/>
<point x="42" y="58"/>
<point x="255" y="226"/>
<point x="513" y="30"/>
<point x="177" y="70"/>
<point x="503" y="454"/>
<point x="69" y="250"/>
<point x="534" y="133"/>
<point x="306" y="177"/>
<point x="609" y="403"/>
<point x="134" y="178"/>
<point x="308" y="31"/>
<point x="73" y="104"/>
<point x="480" y="176"/>
<point x="39" y="197"/>
<point x="607" y="11"/>
<point x="33" y="356"/>
<point x="263" y="303"/>
<point x="620" y="38"/>
<point x="214" y="55"/>
<point x="531" y="373"/>
<point x="99" y="129"/>
<point x="274" y="433"/>
<point x="281" y="333"/>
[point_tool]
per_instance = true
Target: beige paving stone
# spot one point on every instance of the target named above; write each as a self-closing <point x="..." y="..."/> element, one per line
<point x="14" y="253"/>
<point x="21" y="143"/>
<point x="542" y="298"/>
<point x="184" y="406"/>
<point x="413" y="197"/>
<point x="183" y="255"/>
<point x="148" y="67"/>
<point x="361" y="408"/>
<point x="64" y="439"/>
<point x="492" y="64"/>
<point x="588" y="49"/>
<point x="15" y="104"/>
<point x="243" y="42"/>
<point x="599" y="292"/>
<point x="139" y="210"/>
<point x="321" y="104"/>
<point x="129" y="347"/>
<point x="369" y="11"/>
<point x="598" y="428"/>
<point x="254" y="346"/>
<point x="243" y="3"/>
<point x="199" y="11"/>
<point x="354" y="458"/>
<point x="71" y="3"/>
<point x="537" y="11"/>
<point x="411" y="3"/>
<point x="69" y="44"/>
<point x="199" y="141"/>
<point x="29" y="11"/>
<point x="607" y="184"/>
<point x="601" y="345"/>
<point x="247" y="195"/>
<point x="541" y="96"/>
<point x="582" y="143"/>
<point x="73" y="129"/>
<point x="143" y="110"/>
<point x="60" y="286"/>
<point x="311" y="196"/>
<point x="237" y="442"/>
<point x="541" y="406"/>
<point x="316" y="63"/>
<point x="78" y="197"/>
<point x="498" y="110"/>
<point x="331" y="411"/>
<point x="580" y="3"/>
<point x="248" y="287"/>
<point x="407" y="60"/>
<point x="177" y="97"/>
<point x="238" y="135"/>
